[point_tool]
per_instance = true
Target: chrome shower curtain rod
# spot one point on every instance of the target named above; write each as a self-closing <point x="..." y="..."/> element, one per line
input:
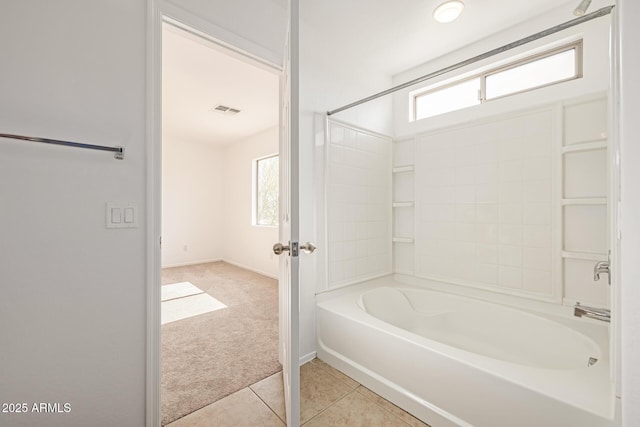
<point x="119" y="151"/>
<point x="597" y="14"/>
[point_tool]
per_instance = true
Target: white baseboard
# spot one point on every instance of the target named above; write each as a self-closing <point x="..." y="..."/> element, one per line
<point x="187" y="263"/>
<point x="246" y="267"/>
<point x="307" y="358"/>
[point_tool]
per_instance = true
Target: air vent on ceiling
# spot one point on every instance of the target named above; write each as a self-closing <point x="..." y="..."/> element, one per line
<point x="223" y="109"/>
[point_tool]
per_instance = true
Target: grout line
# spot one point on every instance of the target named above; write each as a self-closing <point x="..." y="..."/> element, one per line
<point x="385" y="409"/>
<point x="266" y="404"/>
<point x="330" y="405"/>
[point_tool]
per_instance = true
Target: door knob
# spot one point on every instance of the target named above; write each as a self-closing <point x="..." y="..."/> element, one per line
<point x="279" y="248"/>
<point x="308" y="248"/>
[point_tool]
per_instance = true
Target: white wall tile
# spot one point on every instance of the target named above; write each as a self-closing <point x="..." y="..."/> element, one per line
<point x="537" y="213"/>
<point x="511" y="192"/>
<point x="537" y="259"/>
<point x="537" y="281"/>
<point x="465" y="232"/>
<point x="585" y="174"/>
<point x="585" y="122"/>
<point x="465" y="194"/>
<point x="537" y="169"/>
<point x="486" y="173"/>
<point x="465" y="213"/>
<point x="585" y="229"/>
<point x="511" y="234"/>
<point x="510" y="277"/>
<point x="486" y="254"/>
<point x="510" y="149"/>
<point x="537" y="236"/>
<point x="486" y="273"/>
<point x="511" y="171"/>
<point x="487" y="193"/>
<point x="510" y="256"/>
<point x="537" y="191"/>
<point x="487" y="213"/>
<point x="510" y="214"/>
<point x="487" y="233"/>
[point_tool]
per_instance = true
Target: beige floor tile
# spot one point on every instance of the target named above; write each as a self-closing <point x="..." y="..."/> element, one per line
<point x="339" y="375"/>
<point x="385" y="404"/>
<point x="318" y="390"/>
<point x="271" y="391"/>
<point x="241" y="409"/>
<point x="355" y="410"/>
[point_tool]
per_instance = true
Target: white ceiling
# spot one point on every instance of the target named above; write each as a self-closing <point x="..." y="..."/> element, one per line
<point x="197" y="75"/>
<point x="382" y="36"/>
<point x="391" y="36"/>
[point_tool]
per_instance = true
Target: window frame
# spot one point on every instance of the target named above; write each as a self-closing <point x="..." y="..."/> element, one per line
<point x="576" y="45"/>
<point x="255" y="192"/>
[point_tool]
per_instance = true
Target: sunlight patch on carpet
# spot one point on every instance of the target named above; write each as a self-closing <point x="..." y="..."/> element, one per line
<point x="179" y="290"/>
<point x="186" y="300"/>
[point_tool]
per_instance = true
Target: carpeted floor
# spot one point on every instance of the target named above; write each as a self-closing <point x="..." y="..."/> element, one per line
<point x="210" y="356"/>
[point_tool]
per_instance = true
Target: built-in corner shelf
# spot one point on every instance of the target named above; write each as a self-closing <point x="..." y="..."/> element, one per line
<point x="588" y="256"/>
<point x="585" y="146"/>
<point x="585" y="201"/>
<point x="402" y="169"/>
<point x="402" y="204"/>
<point x="403" y="240"/>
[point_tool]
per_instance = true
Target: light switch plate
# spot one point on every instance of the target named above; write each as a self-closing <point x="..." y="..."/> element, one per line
<point x="121" y="215"/>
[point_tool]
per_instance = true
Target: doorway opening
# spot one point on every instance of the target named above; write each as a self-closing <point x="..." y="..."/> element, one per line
<point x="220" y="145"/>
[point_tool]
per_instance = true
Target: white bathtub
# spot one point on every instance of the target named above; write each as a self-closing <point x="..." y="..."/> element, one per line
<point x="456" y="361"/>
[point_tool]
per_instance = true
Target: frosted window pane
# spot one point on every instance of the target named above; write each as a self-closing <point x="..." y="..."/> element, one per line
<point x="560" y="66"/>
<point x="267" y="191"/>
<point x="452" y="98"/>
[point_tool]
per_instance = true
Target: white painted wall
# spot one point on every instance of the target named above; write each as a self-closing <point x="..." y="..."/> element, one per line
<point x="326" y="84"/>
<point x="628" y="12"/>
<point x="192" y="202"/>
<point x="72" y="312"/>
<point x="245" y="244"/>
<point x="73" y="309"/>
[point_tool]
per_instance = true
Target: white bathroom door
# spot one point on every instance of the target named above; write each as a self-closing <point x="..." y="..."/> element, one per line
<point x="289" y="274"/>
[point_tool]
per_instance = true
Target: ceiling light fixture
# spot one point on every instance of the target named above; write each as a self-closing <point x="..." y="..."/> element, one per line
<point x="448" y="11"/>
<point x="582" y="8"/>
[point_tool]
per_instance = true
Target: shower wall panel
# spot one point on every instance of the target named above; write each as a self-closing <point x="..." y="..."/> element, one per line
<point x="484" y="205"/>
<point x="358" y="205"/>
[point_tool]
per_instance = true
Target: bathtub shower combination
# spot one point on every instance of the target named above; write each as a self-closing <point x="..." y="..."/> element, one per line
<point x="456" y="361"/>
<point x="511" y="210"/>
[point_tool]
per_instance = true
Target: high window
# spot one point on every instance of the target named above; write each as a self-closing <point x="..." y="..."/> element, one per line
<point x="265" y="204"/>
<point x="547" y="68"/>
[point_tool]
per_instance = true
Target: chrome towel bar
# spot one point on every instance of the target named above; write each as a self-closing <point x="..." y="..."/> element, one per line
<point x="118" y="151"/>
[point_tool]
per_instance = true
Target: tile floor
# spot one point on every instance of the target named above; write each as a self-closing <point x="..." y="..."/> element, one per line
<point x="327" y="398"/>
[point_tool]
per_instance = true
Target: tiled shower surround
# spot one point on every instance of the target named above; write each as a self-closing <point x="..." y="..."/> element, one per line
<point x="516" y="204"/>
<point x="358" y="205"/>
<point x="483" y="207"/>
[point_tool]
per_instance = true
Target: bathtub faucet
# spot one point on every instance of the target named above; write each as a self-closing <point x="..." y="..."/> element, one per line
<point x="603" y="267"/>
<point x="602" y="314"/>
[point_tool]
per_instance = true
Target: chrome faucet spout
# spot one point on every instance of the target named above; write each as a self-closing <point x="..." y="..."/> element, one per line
<point x="601" y="267"/>
<point x="601" y="314"/>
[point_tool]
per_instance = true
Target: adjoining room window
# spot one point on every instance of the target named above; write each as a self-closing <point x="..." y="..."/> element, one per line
<point x="547" y="68"/>
<point x="265" y="192"/>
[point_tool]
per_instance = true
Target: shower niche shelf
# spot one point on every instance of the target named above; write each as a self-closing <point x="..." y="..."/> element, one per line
<point x="403" y="169"/>
<point x="403" y="239"/>
<point x="402" y="204"/>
